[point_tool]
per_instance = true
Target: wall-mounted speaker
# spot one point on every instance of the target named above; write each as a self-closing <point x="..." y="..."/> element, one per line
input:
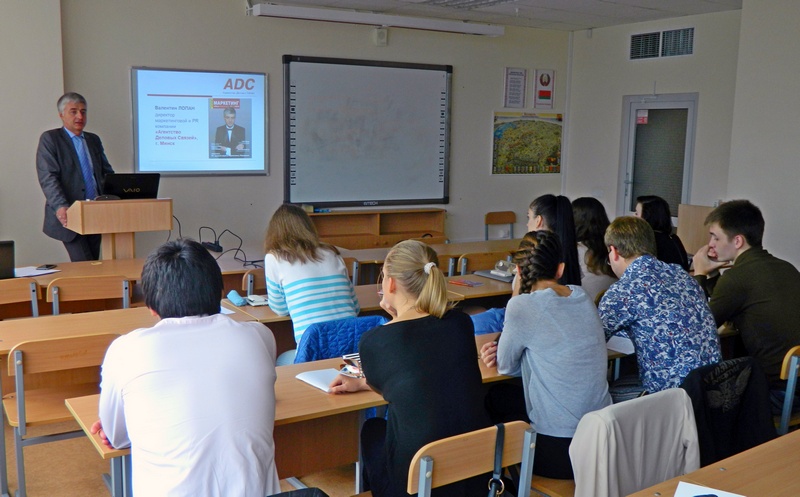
<point x="380" y="37"/>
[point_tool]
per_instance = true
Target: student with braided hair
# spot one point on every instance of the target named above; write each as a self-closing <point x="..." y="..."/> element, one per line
<point x="423" y="363"/>
<point x="549" y="213"/>
<point x="553" y="338"/>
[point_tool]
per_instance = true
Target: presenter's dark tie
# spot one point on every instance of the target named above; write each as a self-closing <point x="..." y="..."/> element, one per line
<point x="86" y="166"/>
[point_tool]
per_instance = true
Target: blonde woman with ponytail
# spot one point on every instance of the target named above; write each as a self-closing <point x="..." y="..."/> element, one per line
<point x="423" y="363"/>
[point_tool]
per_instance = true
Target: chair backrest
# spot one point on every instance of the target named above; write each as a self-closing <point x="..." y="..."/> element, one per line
<point x="15" y="290"/>
<point x="476" y="261"/>
<point x="331" y="339"/>
<point x="254" y="282"/>
<point x="626" y="447"/>
<point x="789" y="372"/>
<point x="691" y="226"/>
<point x="499" y="217"/>
<point x="731" y="407"/>
<point x="59" y="354"/>
<point x="82" y="288"/>
<point x="463" y="456"/>
<point x="53" y="354"/>
<point x="351" y="263"/>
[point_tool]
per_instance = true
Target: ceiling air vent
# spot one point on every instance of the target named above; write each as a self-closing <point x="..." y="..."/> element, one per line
<point x="677" y="42"/>
<point x="645" y="45"/>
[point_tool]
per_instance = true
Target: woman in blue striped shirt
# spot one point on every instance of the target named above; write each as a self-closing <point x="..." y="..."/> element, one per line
<point x="306" y="278"/>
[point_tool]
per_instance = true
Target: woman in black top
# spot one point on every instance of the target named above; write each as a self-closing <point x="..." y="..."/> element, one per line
<point x="655" y="210"/>
<point x="424" y="363"/>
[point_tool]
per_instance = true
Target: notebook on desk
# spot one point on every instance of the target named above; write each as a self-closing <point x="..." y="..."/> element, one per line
<point x="6" y="259"/>
<point x="132" y="186"/>
<point x="495" y="275"/>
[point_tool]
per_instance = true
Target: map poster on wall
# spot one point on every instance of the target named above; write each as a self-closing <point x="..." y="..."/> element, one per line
<point x="526" y="143"/>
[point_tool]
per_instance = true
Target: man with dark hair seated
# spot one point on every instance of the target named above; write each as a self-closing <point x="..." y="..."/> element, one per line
<point x="760" y="294"/>
<point x="193" y="396"/>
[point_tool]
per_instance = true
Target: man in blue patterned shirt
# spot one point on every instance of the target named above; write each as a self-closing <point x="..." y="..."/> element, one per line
<point x="658" y="306"/>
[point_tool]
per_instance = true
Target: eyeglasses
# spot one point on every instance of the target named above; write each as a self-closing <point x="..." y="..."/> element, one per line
<point x="608" y="261"/>
<point x="380" y="284"/>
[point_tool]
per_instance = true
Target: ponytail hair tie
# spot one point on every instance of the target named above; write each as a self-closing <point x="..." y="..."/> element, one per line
<point x="428" y="267"/>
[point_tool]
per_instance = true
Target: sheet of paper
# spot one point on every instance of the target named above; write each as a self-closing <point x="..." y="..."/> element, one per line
<point x="620" y="344"/>
<point x="31" y="271"/>
<point x="225" y="310"/>
<point x="319" y="378"/>
<point x="691" y="490"/>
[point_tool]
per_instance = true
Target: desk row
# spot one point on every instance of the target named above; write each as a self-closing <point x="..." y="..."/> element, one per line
<point x="306" y="418"/>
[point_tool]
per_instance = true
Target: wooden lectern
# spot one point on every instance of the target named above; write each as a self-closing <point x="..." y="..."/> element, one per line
<point x="118" y="220"/>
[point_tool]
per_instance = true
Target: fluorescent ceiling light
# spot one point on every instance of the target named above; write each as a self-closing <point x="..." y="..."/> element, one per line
<point x="465" y="4"/>
<point x="353" y="17"/>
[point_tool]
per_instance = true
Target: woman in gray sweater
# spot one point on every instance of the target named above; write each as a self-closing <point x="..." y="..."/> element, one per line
<point x="552" y="337"/>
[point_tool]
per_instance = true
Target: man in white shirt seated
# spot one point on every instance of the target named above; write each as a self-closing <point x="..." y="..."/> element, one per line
<point x="193" y="396"/>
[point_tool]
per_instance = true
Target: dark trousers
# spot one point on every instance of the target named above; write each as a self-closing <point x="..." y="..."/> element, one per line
<point x="506" y="402"/>
<point x="84" y="248"/>
<point x="373" y="439"/>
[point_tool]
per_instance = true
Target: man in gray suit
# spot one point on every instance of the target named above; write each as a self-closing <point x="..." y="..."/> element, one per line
<point x="71" y="165"/>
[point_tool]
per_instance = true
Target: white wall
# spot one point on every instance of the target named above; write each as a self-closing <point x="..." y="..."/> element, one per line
<point x="602" y="75"/>
<point x="102" y="40"/>
<point x="30" y="85"/>
<point x="765" y="150"/>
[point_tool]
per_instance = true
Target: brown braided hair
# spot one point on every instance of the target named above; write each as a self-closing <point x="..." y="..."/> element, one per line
<point x="538" y="258"/>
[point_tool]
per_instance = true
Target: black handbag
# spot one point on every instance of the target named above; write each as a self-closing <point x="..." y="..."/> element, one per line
<point x="496" y="485"/>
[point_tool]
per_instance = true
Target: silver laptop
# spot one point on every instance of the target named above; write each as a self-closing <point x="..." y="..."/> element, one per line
<point x="6" y="259"/>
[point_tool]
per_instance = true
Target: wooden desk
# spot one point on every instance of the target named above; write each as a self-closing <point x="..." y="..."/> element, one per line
<point x="367" y="296"/>
<point x="84" y="410"/>
<point x="487" y="287"/>
<point x="448" y="252"/>
<point x="130" y="268"/>
<point x="306" y="420"/>
<point x="366" y="256"/>
<point x="491" y="374"/>
<point x="368" y="300"/>
<point x="232" y="270"/>
<point x="768" y="470"/>
<point x="120" y="321"/>
<point x="664" y="489"/>
<point x="66" y="325"/>
<point x="281" y="326"/>
<point x="13" y="332"/>
<point x="456" y="250"/>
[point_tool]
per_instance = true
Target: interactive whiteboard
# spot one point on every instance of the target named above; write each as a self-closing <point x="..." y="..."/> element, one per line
<point x="365" y="132"/>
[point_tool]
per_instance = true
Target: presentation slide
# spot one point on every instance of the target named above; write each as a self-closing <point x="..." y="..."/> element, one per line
<point x="199" y="122"/>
